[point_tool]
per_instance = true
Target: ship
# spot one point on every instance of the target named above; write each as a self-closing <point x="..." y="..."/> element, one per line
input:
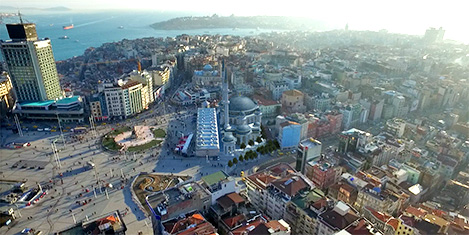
<point x="121" y="27"/>
<point x="68" y="26"/>
<point x="64" y="37"/>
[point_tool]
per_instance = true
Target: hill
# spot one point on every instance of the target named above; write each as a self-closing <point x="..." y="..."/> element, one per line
<point x="261" y="22"/>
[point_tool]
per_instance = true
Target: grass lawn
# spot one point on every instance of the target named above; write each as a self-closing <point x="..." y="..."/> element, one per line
<point x="109" y="143"/>
<point x="144" y="146"/>
<point x="159" y="133"/>
<point x="108" y="140"/>
<point x="120" y="130"/>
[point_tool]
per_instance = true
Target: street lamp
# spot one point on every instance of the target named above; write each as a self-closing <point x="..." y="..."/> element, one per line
<point x="60" y="126"/>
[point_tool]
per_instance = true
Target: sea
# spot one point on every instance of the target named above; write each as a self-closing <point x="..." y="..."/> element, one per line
<point x="92" y="29"/>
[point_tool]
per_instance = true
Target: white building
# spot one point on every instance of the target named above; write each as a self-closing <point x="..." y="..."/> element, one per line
<point x="206" y="141"/>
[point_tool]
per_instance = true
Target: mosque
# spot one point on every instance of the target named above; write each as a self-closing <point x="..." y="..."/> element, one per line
<point x="241" y="120"/>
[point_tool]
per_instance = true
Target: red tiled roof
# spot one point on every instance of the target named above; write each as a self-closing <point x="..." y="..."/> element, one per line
<point x="229" y="200"/>
<point x="236" y="198"/>
<point x="248" y="227"/>
<point x="291" y="189"/>
<point x="263" y="101"/>
<point x="235" y="220"/>
<point x="415" y="211"/>
<point x="385" y="218"/>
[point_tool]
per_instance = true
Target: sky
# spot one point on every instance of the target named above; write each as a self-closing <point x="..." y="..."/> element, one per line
<point x="401" y="16"/>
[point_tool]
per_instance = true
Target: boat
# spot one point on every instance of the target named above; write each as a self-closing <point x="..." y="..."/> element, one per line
<point x="51" y="25"/>
<point x="68" y="26"/>
<point x="121" y="27"/>
<point x="64" y="37"/>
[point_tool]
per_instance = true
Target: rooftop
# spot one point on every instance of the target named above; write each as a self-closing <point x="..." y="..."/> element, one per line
<point x="108" y="224"/>
<point x="336" y="221"/>
<point x="192" y="223"/>
<point x="207" y="129"/>
<point x="293" y="93"/>
<point x="162" y="201"/>
<point x="214" y="178"/>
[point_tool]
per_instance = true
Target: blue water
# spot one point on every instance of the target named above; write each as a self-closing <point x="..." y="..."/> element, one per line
<point x="92" y="29"/>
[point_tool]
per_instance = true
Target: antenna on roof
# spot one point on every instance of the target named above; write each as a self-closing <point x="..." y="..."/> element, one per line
<point x="21" y="19"/>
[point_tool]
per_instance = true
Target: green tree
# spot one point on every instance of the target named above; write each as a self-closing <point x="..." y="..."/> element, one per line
<point x="243" y="145"/>
<point x="259" y="139"/>
<point x="230" y="163"/>
<point x="235" y="160"/>
<point x="276" y="144"/>
<point x="263" y="134"/>
<point x="241" y="158"/>
<point x="255" y="155"/>
<point x="270" y="142"/>
<point x="251" y="142"/>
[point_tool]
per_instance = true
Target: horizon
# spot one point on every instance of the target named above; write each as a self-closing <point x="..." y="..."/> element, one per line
<point x="397" y="16"/>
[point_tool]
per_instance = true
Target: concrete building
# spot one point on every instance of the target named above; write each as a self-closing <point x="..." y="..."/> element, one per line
<point x="219" y="184"/>
<point x="337" y="218"/>
<point x="207" y="77"/>
<point x="308" y="150"/>
<point x="352" y="115"/>
<point x="181" y="199"/>
<point x="269" y="108"/>
<point x="271" y="189"/>
<point x="207" y="143"/>
<point x="98" y="107"/>
<point x="321" y="102"/>
<point x="190" y="223"/>
<point x="353" y="139"/>
<point x="377" y="198"/>
<point x="384" y="222"/>
<point x="395" y="127"/>
<point x="67" y="110"/>
<point x="130" y="95"/>
<point x="30" y="64"/>
<point x="7" y="100"/>
<point x="277" y="88"/>
<point x="323" y="173"/>
<point x="111" y="223"/>
<point x="293" y="101"/>
<point x="303" y="210"/>
<point x="289" y="134"/>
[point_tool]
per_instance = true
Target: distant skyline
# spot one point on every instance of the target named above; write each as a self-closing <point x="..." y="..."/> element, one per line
<point x="400" y="16"/>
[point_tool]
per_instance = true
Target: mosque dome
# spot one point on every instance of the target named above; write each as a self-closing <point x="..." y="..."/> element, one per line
<point x="208" y="67"/>
<point x="243" y="129"/>
<point x="228" y="137"/>
<point x="241" y="103"/>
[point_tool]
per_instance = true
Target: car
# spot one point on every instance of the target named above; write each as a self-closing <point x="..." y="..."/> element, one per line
<point x="40" y="129"/>
<point x="47" y="129"/>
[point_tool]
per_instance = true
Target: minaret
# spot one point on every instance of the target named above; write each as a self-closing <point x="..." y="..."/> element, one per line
<point x="226" y="102"/>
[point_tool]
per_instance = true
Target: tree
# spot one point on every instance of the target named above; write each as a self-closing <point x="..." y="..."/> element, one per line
<point x="276" y="144"/>
<point x="251" y="142"/>
<point x="230" y="164"/>
<point x="270" y="142"/>
<point x="259" y="139"/>
<point x="260" y="149"/>
<point x="255" y="155"/>
<point x="235" y="160"/>
<point x="241" y="158"/>
<point x="263" y="134"/>
<point x="243" y="145"/>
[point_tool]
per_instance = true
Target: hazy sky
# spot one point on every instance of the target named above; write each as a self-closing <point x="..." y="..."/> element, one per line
<point x="405" y="16"/>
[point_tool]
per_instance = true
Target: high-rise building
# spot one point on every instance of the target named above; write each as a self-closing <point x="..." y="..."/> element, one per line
<point x="31" y="64"/>
<point x="6" y="97"/>
<point x="308" y="150"/>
